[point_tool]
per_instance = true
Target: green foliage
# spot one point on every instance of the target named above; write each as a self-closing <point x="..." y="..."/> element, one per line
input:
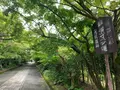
<point x="71" y="19"/>
<point x="13" y="53"/>
<point x="72" y="88"/>
<point x="61" y="69"/>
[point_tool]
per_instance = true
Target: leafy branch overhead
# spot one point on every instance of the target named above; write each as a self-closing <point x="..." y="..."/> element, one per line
<point x="57" y="34"/>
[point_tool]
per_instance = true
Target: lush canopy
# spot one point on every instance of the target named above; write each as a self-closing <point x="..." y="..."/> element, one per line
<point x="57" y="34"/>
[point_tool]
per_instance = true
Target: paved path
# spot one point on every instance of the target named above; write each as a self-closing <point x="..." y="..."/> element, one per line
<point x="23" y="78"/>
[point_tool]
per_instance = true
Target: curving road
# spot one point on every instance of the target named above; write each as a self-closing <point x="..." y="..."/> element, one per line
<point x="23" y="78"/>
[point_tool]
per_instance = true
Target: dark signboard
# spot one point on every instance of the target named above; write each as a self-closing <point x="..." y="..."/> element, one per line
<point x="104" y="36"/>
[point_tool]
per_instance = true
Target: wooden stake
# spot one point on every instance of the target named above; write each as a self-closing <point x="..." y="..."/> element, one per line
<point x="108" y="75"/>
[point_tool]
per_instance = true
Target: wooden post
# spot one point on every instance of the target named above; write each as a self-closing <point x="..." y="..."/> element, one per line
<point x="108" y="74"/>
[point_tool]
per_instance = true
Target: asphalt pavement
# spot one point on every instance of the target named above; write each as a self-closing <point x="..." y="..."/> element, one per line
<point x="23" y="78"/>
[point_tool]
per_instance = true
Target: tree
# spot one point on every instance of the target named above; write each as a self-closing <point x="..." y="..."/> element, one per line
<point x="11" y="50"/>
<point x="72" y="20"/>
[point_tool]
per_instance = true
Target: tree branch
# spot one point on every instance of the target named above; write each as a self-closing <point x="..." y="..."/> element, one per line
<point x="98" y="6"/>
<point x="80" y="11"/>
<point x="104" y="8"/>
<point x="6" y="39"/>
<point x="115" y="18"/>
<point x="81" y="3"/>
<point x="75" y="48"/>
<point x="40" y="4"/>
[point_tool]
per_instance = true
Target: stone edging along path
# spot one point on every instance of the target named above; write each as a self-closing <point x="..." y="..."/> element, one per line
<point x="4" y="70"/>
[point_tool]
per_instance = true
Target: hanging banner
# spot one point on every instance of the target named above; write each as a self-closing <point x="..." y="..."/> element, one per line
<point x="104" y="36"/>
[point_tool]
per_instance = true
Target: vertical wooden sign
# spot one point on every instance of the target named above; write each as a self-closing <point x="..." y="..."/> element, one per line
<point x="104" y="36"/>
<point x="105" y="42"/>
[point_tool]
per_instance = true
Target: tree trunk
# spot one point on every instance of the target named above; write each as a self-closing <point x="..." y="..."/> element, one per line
<point x="1" y="66"/>
<point x="83" y="78"/>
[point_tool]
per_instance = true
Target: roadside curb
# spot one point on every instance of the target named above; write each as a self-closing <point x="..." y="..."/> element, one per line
<point x="2" y="71"/>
